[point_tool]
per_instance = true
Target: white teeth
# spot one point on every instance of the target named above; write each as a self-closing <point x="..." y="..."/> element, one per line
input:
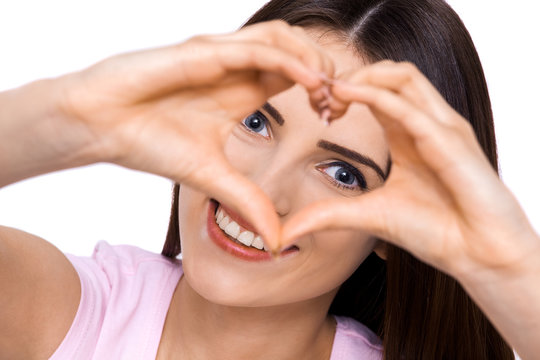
<point x="233" y="229"/>
<point x="246" y="238"/>
<point x="258" y="243"/>
<point x="224" y="222"/>
<point x="219" y="216"/>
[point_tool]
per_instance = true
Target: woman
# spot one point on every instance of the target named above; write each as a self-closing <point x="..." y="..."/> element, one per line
<point x="238" y="303"/>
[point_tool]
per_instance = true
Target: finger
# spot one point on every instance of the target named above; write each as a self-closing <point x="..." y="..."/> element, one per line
<point x="403" y="93"/>
<point x="158" y="72"/>
<point x="223" y="183"/>
<point x="372" y="214"/>
<point x="227" y="58"/>
<point x="393" y="106"/>
<point x="452" y="152"/>
<point x="406" y="79"/>
<point x="261" y="57"/>
<point x="363" y="213"/>
<point x="291" y="39"/>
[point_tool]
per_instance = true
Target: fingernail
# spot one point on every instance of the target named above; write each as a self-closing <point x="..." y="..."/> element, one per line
<point x="325" y="116"/>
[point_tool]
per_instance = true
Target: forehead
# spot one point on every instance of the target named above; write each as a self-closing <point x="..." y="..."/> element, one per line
<point x="344" y="55"/>
<point x="357" y="130"/>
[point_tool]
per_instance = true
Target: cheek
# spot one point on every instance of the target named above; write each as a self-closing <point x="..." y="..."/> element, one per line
<point x="190" y="211"/>
<point x="338" y="254"/>
<point x="246" y="153"/>
<point x="202" y="264"/>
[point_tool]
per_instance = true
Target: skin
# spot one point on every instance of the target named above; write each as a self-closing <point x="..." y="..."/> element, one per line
<point x="190" y="96"/>
<point x="472" y="227"/>
<point x="263" y="301"/>
<point x="116" y="109"/>
<point x="442" y="201"/>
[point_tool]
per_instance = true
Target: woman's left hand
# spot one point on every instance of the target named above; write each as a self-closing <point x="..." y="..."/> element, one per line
<point x="442" y="202"/>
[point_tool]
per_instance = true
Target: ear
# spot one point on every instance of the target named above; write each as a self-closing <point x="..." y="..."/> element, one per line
<point x="381" y="249"/>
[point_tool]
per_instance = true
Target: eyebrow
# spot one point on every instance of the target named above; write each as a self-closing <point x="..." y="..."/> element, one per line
<point x="272" y="111"/>
<point x="362" y="159"/>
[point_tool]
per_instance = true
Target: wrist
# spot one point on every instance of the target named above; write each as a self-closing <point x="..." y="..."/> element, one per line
<point x="521" y="260"/>
<point x="510" y="297"/>
<point x="83" y="143"/>
<point x="37" y="135"/>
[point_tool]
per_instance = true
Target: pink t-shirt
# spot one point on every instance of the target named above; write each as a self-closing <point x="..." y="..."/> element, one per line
<point x="126" y="293"/>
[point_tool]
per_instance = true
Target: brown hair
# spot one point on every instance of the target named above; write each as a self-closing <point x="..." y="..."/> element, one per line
<point x="419" y="312"/>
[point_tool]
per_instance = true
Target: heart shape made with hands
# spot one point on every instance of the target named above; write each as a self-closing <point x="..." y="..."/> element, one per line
<point x="364" y="212"/>
<point x="434" y="200"/>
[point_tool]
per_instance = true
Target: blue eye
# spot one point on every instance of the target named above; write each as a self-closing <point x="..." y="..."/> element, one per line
<point x="257" y="123"/>
<point x="344" y="175"/>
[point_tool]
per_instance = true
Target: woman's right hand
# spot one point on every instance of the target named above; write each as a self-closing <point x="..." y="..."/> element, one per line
<point x="168" y="111"/>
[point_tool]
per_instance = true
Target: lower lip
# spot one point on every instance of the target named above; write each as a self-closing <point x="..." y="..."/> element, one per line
<point x="233" y="248"/>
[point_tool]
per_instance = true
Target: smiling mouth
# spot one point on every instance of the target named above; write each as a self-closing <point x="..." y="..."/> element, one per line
<point x="237" y="233"/>
<point x="236" y="236"/>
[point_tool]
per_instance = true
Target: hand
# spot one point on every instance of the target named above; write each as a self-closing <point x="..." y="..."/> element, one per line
<point x="442" y="201"/>
<point x="169" y="111"/>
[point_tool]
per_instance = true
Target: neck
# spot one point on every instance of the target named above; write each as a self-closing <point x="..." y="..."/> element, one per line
<point x="198" y="329"/>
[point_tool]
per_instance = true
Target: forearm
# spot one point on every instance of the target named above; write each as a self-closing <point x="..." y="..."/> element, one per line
<point x="35" y="135"/>
<point x="511" y="300"/>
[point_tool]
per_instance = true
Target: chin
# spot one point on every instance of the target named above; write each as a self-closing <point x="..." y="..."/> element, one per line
<point x="229" y="290"/>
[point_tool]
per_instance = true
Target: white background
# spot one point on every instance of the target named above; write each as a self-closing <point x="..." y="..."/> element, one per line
<point x="75" y="208"/>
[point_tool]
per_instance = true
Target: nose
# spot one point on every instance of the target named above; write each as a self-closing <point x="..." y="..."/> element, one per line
<point x="279" y="182"/>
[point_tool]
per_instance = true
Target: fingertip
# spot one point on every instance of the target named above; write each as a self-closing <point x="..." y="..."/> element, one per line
<point x="270" y="231"/>
<point x="325" y="114"/>
<point x="249" y="201"/>
<point x="298" y="226"/>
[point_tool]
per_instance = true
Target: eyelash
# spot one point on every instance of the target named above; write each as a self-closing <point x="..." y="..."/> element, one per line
<point x="362" y="184"/>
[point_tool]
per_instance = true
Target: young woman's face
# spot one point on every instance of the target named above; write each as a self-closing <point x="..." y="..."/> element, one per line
<point x="297" y="160"/>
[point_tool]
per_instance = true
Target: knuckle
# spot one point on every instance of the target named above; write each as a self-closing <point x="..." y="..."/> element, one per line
<point x="408" y="67"/>
<point x="297" y="29"/>
<point x="461" y="125"/>
<point x="386" y="62"/>
<point x="410" y="76"/>
<point x="467" y="130"/>
<point x="197" y="39"/>
<point x="466" y="126"/>
<point x="279" y="25"/>
<point x="409" y="70"/>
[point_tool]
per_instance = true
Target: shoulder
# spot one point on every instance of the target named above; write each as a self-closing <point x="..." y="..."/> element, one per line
<point x="117" y="268"/>
<point x="129" y="260"/>
<point x="125" y="296"/>
<point x="354" y="340"/>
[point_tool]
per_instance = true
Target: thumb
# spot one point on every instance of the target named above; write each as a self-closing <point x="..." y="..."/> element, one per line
<point x="364" y="213"/>
<point x="229" y="187"/>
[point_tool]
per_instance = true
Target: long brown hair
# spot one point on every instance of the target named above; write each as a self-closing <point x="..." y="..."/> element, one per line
<point x="419" y="312"/>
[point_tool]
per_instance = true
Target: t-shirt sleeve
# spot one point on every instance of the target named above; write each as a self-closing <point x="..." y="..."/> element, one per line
<point x="125" y="296"/>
